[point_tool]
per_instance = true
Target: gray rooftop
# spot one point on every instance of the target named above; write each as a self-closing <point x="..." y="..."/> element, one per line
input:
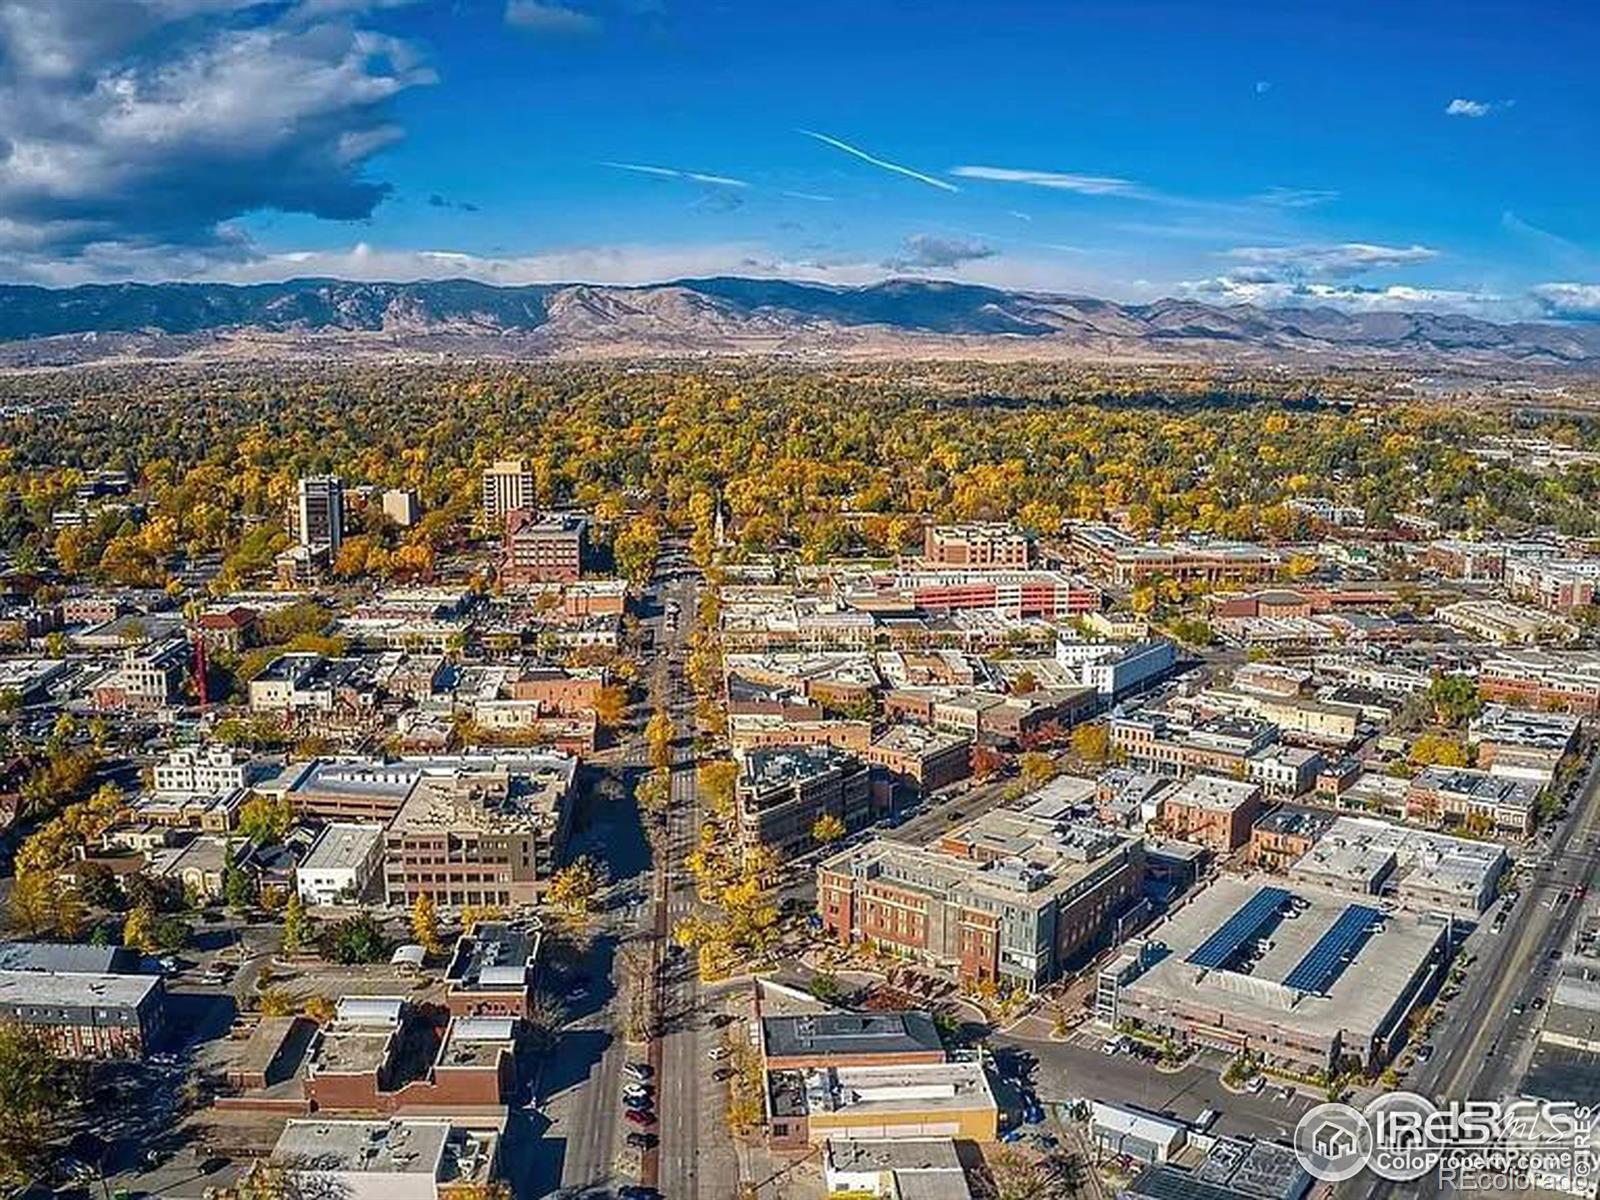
<point x="73" y="958"/>
<point x="367" y="1147"/>
<point x="1358" y="1000"/>
<point x="845" y="1033"/>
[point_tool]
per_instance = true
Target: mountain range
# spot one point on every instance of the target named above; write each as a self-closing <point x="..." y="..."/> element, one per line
<point x="733" y="316"/>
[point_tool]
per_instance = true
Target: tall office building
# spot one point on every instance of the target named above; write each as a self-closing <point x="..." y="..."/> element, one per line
<point x="507" y="486"/>
<point x="320" y="512"/>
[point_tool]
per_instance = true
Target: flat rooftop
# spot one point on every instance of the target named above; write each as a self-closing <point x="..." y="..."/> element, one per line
<point x="51" y="989"/>
<point x="783" y="766"/>
<point x="886" y="1091"/>
<point x="342" y="845"/>
<point x="896" y="1154"/>
<point x="1214" y="793"/>
<point x="1363" y="850"/>
<point x="845" y="1033"/>
<point x="1358" y="998"/>
<point x="496" y="956"/>
<point x="366" y="1147"/>
<point x="351" y="1050"/>
<point x="918" y="739"/>
<point x="491" y="795"/>
<point x="1004" y="857"/>
<point x="477" y="1042"/>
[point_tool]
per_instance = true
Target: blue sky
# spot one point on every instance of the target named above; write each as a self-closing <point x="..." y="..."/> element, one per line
<point x="1365" y="155"/>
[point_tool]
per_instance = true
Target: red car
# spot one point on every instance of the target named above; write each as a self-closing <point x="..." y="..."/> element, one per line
<point x="640" y="1117"/>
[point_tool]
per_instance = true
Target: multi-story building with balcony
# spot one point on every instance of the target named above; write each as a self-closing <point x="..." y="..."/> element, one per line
<point x="483" y="830"/>
<point x="1007" y="898"/>
<point x="507" y="486"/>
<point x="783" y="791"/>
<point x="977" y="546"/>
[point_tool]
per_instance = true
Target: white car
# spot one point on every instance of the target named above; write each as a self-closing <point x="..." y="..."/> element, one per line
<point x="718" y="1053"/>
<point x="1110" y="1048"/>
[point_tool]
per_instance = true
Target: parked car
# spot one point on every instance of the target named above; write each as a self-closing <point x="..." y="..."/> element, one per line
<point x="640" y="1116"/>
<point x="637" y="1102"/>
<point x="639" y="1070"/>
<point x="642" y="1141"/>
<point x="718" y="1053"/>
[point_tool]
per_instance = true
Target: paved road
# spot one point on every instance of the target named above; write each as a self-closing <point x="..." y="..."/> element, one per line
<point x="696" y="1156"/>
<point x="580" y="1148"/>
<point x="1484" y="1043"/>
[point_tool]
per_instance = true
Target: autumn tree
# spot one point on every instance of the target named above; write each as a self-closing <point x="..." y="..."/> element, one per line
<point x="659" y="736"/>
<point x="1091" y="742"/>
<point x="985" y="760"/>
<point x="425" y="923"/>
<point x="1036" y="769"/>
<point x="1438" y="750"/>
<point x="717" y="781"/>
<point x="35" y="1095"/>
<point x="635" y="549"/>
<point x="827" y="829"/>
<point x="575" y="886"/>
<point x="265" y="819"/>
<point x="297" y="932"/>
<point x="611" y="705"/>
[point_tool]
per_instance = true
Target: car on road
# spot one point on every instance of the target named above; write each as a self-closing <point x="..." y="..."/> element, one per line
<point x="718" y="1053"/>
<point x="1424" y="1052"/>
<point x="637" y="1089"/>
<point x="640" y="1116"/>
<point x="722" y="1073"/>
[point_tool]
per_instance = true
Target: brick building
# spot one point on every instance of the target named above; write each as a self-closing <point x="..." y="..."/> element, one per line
<point x="1008" y="897"/>
<point x="544" y="548"/>
<point x="488" y="833"/>
<point x="1212" y="811"/>
<point x="976" y="546"/>
<point x="782" y="791"/>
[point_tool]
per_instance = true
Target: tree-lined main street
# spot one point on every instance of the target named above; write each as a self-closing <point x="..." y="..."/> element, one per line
<point x="1486" y="1036"/>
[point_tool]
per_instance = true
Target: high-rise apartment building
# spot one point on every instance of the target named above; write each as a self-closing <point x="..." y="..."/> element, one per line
<point x="507" y="486"/>
<point x="319" y="513"/>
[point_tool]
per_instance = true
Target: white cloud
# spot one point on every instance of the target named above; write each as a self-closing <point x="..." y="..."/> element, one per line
<point x="1460" y="107"/>
<point x="1087" y="185"/>
<point x="1333" y="259"/>
<point x="1263" y="86"/>
<point x="154" y="122"/>
<point x="882" y="163"/>
<point x="1576" y="300"/>
<point x="933" y="252"/>
<point x="1278" y="293"/>
<point x="536" y="17"/>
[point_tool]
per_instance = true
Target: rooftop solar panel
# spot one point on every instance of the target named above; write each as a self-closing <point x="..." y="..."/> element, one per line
<point x="1334" y="950"/>
<point x="1238" y="929"/>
